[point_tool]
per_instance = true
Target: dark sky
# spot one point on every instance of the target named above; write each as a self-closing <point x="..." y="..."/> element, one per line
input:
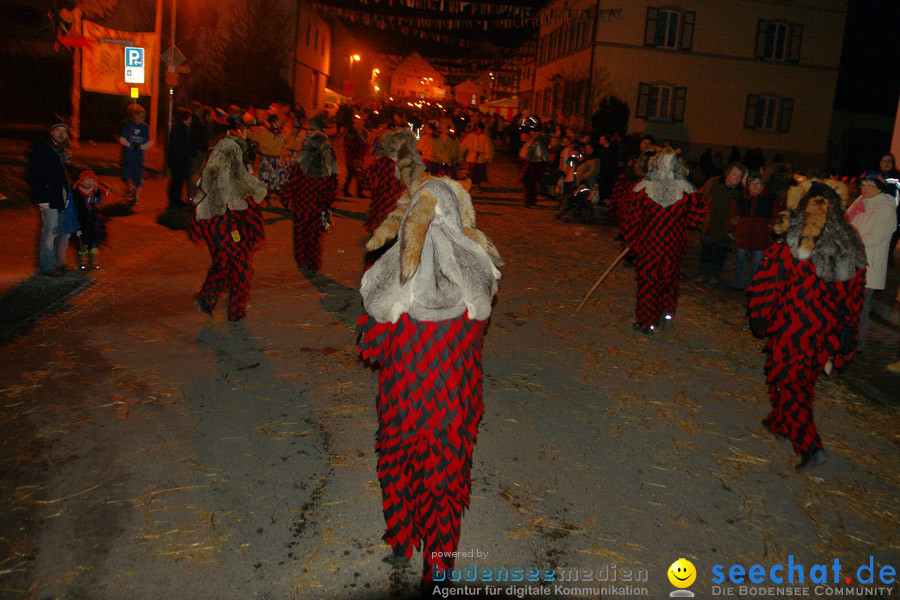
<point x="869" y="79"/>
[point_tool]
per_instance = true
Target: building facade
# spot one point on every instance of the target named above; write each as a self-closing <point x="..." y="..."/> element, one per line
<point x="703" y="73"/>
<point x="312" y="57"/>
<point x="416" y="78"/>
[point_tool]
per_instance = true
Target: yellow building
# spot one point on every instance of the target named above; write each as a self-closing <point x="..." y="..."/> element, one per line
<point x="708" y="73"/>
<point x="416" y="78"/>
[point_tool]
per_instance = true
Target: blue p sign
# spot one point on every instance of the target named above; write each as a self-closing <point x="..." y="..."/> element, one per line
<point x="134" y="57"/>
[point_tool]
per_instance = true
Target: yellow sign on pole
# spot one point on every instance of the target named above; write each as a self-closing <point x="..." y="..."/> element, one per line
<point x="135" y="93"/>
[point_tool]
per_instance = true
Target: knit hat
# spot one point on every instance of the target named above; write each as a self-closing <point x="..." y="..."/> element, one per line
<point x="873" y="176"/>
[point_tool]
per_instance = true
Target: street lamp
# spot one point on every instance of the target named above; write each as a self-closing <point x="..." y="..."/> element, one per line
<point x="353" y="58"/>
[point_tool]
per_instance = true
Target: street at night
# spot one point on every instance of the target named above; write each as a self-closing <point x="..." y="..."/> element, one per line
<point x="398" y="299"/>
<point x="152" y="452"/>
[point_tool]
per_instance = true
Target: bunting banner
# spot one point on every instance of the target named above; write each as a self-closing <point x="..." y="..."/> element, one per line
<point x="103" y="60"/>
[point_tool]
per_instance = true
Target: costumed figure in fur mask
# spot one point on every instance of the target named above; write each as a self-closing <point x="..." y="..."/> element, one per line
<point x="310" y="192"/>
<point x="228" y="218"/>
<point x="533" y="159"/>
<point x="396" y="168"/>
<point x="806" y="299"/>
<point x="427" y="301"/>
<point x="659" y="211"/>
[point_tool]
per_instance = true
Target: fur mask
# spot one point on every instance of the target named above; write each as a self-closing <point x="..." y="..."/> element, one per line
<point x="388" y="229"/>
<point x="435" y="272"/>
<point x="665" y="182"/>
<point x="316" y="156"/>
<point x="399" y="145"/>
<point x="815" y="229"/>
<point x="225" y="183"/>
<point x="536" y="148"/>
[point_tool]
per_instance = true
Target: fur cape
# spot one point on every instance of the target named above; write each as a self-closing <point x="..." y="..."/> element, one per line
<point x="666" y="180"/>
<point x="435" y="272"/>
<point x="815" y="229"/>
<point x="388" y="229"/>
<point x="399" y="145"/>
<point x="536" y="148"/>
<point x="316" y="157"/>
<point x="226" y="183"/>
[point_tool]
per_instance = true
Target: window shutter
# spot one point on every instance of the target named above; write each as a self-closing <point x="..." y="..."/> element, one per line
<point x="687" y="30"/>
<point x="678" y="106"/>
<point x="643" y="101"/>
<point x="796" y="42"/>
<point x="761" y="27"/>
<point x="784" y="117"/>
<point x="650" y="27"/>
<point x="750" y="113"/>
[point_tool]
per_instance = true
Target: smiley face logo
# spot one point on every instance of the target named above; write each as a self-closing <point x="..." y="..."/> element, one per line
<point x="682" y="573"/>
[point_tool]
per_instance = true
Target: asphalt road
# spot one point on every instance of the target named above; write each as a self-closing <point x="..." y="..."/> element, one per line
<point x="149" y="451"/>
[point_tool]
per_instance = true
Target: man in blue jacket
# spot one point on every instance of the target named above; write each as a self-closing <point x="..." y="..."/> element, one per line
<point x="51" y="191"/>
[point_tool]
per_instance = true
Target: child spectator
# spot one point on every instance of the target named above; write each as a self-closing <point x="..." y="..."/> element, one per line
<point x="88" y="194"/>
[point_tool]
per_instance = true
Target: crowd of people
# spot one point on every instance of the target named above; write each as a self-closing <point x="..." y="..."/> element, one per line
<point x="810" y="254"/>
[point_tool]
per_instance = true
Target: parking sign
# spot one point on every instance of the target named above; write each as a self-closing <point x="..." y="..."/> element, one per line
<point x="134" y="65"/>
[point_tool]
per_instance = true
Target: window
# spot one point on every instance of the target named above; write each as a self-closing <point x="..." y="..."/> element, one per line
<point x="776" y="40"/>
<point x="660" y="102"/>
<point x="670" y="28"/>
<point x="768" y="112"/>
<point x="401" y="80"/>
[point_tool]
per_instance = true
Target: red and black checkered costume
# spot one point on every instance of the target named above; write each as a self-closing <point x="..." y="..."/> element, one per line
<point x="808" y="321"/>
<point x="429" y="405"/>
<point x="308" y="197"/>
<point x="381" y="178"/>
<point x="231" y="268"/>
<point x="355" y="147"/>
<point x="656" y="235"/>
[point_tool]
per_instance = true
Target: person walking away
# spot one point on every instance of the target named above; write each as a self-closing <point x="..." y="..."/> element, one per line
<point x="661" y="208"/>
<point x="355" y="146"/>
<point x="479" y="153"/>
<point x="874" y="216"/>
<point x="310" y="192"/>
<point x="805" y="299"/>
<point x="427" y="301"/>
<point x="135" y="139"/>
<point x="533" y="162"/>
<point x="179" y="154"/>
<point x="88" y="195"/>
<point x="751" y="222"/>
<point x="228" y="219"/>
<point x="51" y="192"/>
<point x="720" y="194"/>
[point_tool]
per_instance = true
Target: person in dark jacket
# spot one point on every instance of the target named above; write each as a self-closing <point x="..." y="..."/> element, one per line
<point x="52" y="193"/>
<point x="179" y="154"/>
<point x="750" y="224"/>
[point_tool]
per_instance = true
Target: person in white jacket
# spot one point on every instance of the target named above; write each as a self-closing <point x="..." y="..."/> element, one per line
<point x="875" y="218"/>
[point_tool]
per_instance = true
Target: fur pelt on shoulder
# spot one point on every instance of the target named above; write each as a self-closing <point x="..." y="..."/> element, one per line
<point x="316" y="157"/>
<point x="536" y="148"/>
<point x="388" y="229"/>
<point x="815" y="229"/>
<point x="435" y="271"/>
<point x="226" y="183"/>
<point x="399" y="145"/>
<point x="666" y="180"/>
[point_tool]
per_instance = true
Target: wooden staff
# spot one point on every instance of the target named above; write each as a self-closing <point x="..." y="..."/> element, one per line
<point x="602" y="277"/>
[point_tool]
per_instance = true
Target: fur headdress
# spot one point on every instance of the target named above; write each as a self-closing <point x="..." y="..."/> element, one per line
<point x="435" y="272"/>
<point x="225" y="182"/>
<point x="316" y="156"/>
<point x="666" y="180"/>
<point x="388" y="229"/>
<point x="815" y="229"/>
<point x="400" y="146"/>
<point x="318" y="121"/>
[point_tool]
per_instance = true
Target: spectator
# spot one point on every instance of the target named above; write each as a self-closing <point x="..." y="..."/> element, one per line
<point x="88" y="194"/>
<point x="751" y="222"/>
<point x="873" y="214"/>
<point x="720" y="194"/>
<point x="51" y="192"/>
<point x="136" y="139"/>
<point x="479" y="154"/>
<point x="179" y="154"/>
<point x="888" y="168"/>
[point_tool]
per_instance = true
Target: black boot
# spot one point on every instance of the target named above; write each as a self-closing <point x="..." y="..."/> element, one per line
<point x="813" y="457"/>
